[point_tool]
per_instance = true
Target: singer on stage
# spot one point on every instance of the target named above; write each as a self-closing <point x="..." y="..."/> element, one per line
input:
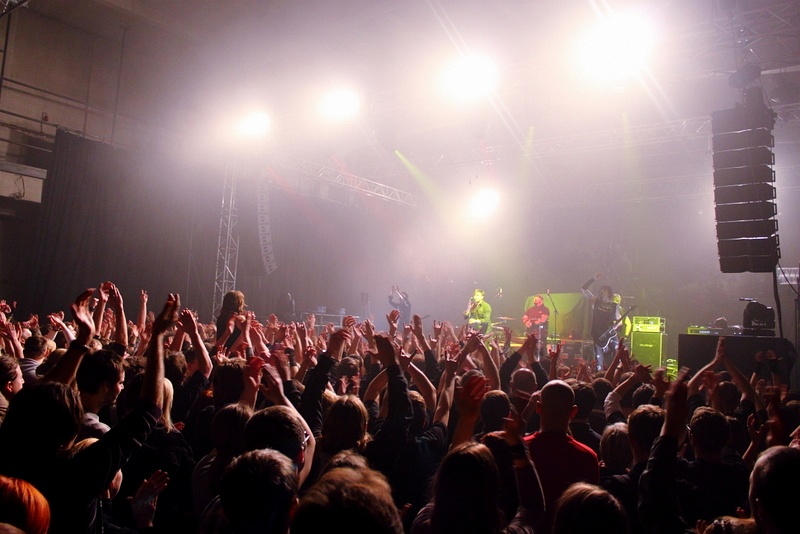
<point x="478" y="312"/>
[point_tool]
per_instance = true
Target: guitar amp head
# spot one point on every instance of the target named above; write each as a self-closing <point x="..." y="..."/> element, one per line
<point x="649" y="324"/>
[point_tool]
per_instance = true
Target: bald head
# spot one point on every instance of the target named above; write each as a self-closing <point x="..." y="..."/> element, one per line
<point x="774" y="491"/>
<point x="556" y="405"/>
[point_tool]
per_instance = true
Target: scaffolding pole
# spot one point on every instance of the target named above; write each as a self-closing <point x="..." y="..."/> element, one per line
<point x="228" y="243"/>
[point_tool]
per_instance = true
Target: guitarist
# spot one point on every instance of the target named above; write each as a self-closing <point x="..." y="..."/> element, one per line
<point x="536" y="321"/>
<point x="605" y="315"/>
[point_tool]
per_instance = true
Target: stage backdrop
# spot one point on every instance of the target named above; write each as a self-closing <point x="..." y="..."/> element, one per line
<point x="140" y="220"/>
<point x="573" y="320"/>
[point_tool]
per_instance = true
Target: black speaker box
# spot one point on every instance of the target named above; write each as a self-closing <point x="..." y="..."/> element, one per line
<point x="696" y="350"/>
<point x="648" y="347"/>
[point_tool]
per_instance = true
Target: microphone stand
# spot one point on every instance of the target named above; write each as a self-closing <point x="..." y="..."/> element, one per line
<point x="555" y="321"/>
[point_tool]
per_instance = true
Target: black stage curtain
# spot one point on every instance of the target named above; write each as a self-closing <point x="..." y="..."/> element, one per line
<point x="139" y="220"/>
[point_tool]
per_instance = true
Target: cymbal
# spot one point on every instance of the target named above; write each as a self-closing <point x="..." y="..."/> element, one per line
<point x="506" y="318"/>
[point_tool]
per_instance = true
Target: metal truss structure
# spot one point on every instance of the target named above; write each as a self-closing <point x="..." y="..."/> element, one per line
<point x="228" y="242"/>
<point x="348" y="180"/>
<point x="763" y="32"/>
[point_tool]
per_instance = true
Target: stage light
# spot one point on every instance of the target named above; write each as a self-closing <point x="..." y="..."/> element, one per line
<point x="340" y="104"/>
<point x="468" y="79"/>
<point x="483" y="203"/>
<point x="253" y="126"/>
<point x="616" y="48"/>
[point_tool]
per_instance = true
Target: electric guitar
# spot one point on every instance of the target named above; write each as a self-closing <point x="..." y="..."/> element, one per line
<point x="605" y="338"/>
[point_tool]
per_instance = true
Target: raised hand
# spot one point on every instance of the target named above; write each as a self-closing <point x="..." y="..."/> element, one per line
<point x="473" y="342"/>
<point x="83" y="317"/>
<point x="114" y="296"/>
<point x="555" y="354"/>
<point x="143" y="503"/>
<point x="437" y="329"/>
<point x="660" y="382"/>
<point x="643" y="373"/>
<point x="392" y="318"/>
<point x="339" y="340"/>
<point x="387" y="352"/>
<point x="104" y="291"/>
<point x="272" y="385"/>
<point x="310" y="357"/>
<point x="168" y="316"/>
<point x="530" y="346"/>
<point x="677" y="407"/>
<point x="469" y="396"/>
<point x="187" y="321"/>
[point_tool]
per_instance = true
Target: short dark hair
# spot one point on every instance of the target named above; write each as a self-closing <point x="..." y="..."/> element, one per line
<point x="588" y="508"/>
<point x="278" y="428"/>
<point x="42" y="418"/>
<point x="8" y="368"/>
<point x="34" y="346"/>
<point x="584" y="399"/>
<point x="644" y="426"/>
<point x="358" y="501"/>
<point x="98" y="368"/>
<point x="602" y="387"/>
<point x="175" y="366"/>
<point x="227" y="381"/>
<point x="257" y="491"/>
<point x="495" y="407"/>
<point x="643" y="394"/>
<point x="710" y="430"/>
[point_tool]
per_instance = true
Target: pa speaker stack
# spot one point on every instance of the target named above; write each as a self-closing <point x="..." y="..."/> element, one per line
<point x="744" y="191"/>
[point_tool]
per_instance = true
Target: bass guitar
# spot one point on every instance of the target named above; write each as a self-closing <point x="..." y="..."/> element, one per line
<point x="605" y="338"/>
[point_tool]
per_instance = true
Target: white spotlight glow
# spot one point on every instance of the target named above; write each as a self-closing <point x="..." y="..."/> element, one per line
<point x="340" y="104"/>
<point x="469" y="79"/>
<point x="253" y="126"/>
<point x="617" y="48"/>
<point x="483" y="203"/>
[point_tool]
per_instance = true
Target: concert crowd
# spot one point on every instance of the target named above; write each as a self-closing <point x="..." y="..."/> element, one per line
<point x="157" y="422"/>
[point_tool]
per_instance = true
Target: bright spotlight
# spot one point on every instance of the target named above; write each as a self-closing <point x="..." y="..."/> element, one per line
<point x="617" y="48"/>
<point x="483" y="203"/>
<point x="254" y="125"/>
<point x="469" y="79"/>
<point x="340" y="104"/>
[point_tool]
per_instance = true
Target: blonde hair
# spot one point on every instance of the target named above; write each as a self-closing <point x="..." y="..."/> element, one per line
<point x="166" y="406"/>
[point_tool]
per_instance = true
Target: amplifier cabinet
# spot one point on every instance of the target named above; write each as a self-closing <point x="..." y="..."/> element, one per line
<point x="648" y="347"/>
<point x="648" y="324"/>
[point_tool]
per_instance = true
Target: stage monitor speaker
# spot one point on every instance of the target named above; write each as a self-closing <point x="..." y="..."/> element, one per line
<point x="695" y="351"/>
<point x="648" y="347"/>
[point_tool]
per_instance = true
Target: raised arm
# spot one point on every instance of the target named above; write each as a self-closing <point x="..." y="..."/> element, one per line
<point x="189" y="325"/>
<point x="489" y="367"/>
<point x="448" y="380"/>
<point x="468" y="399"/>
<point x="272" y="388"/>
<point x="696" y="381"/>
<point x="424" y="386"/>
<point x="100" y="308"/>
<point x="121" y="322"/>
<point x="66" y="368"/>
<point x="141" y="318"/>
<point x="659" y="508"/>
<point x="153" y="382"/>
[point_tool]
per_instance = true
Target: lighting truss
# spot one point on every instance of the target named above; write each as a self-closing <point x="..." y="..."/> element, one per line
<point x="348" y="180"/>
<point x="228" y="242"/>
<point x="767" y="35"/>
